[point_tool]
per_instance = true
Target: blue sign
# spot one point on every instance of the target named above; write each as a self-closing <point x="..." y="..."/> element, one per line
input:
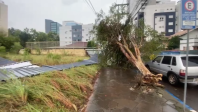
<point x="189" y="14"/>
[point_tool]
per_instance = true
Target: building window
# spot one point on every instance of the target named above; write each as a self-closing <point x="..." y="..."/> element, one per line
<point x="87" y="39"/>
<point x="161" y="19"/>
<point x="69" y="42"/>
<point x="70" y="30"/>
<point x="184" y="48"/>
<point x="170" y="23"/>
<point x="171" y="9"/>
<point x="155" y="10"/>
<point x="79" y="40"/>
<point x="167" y="9"/>
<point x="162" y="26"/>
<point x="66" y="32"/>
<point x="74" y="35"/>
<point x="66" y="37"/>
<point x="170" y="16"/>
<point x="66" y="42"/>
<point x="86" y="34"/>
<point x="70" y="37"/>
<point x="159" y="26"/>
<point x="82" y="29"/>
<point x="170" y="30"/>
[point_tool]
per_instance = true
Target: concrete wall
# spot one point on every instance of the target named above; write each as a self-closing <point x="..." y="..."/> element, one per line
<point x="75" y="52"/>
<point x="4" y="18"/>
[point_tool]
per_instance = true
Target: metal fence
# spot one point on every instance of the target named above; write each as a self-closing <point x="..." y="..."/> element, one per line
<point x="58" y="45"/>
<point x="42" y="45"/>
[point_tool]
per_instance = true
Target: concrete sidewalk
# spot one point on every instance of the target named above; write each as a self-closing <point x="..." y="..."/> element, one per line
<point x="112" y="93"/>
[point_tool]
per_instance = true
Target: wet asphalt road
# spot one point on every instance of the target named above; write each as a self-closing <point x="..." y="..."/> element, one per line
<point x="178" y="91"/>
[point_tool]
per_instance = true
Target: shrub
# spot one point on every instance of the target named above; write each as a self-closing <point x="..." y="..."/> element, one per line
<point x="56" y="57"/>
<point x="16" y="48"/>
<point x="27" y="51"/>
<point x="91" y="44"/>
<point x="38" y="51"/>
<point x="2" y="49"/>
<point x="50" y="55"/>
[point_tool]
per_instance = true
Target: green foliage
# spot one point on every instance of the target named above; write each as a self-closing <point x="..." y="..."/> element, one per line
<point x="2" y="49"/>
<point x="174" y="43"/>
<point x="152" y="57"/>
<point x="54" y="56"/>
<point x="31" y="35"/>
<point x="16" y="48"/>
<point x="38" y="51"/>
<point x="7" y="42"/>
<point x="91" y="44"/>
<point x="50" y="55"/>
<point x="27" y="51"/>
<point x="110" y="27"/>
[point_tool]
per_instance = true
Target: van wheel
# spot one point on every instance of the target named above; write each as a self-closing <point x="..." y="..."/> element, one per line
<point x="172" y="79"/>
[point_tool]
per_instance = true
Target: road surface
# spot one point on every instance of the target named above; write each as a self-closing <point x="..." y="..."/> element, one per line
<point x="178" y="91"/>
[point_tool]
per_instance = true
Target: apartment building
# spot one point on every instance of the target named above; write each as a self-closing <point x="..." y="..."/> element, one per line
<point x="71" y="32"/>
<point x="51" y="26"/>
<point x="158" y="14"/>
<point x="3" y="17"/>
<point x="161" y="15"/>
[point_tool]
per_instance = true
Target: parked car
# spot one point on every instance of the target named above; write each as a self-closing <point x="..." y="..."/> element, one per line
<point x="173" y="67"/>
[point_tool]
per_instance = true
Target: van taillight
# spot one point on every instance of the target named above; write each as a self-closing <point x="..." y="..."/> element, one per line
<point x="182" y="72"/>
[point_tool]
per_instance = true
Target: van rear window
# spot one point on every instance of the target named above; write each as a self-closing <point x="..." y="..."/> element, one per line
<point x="192" y="61"/>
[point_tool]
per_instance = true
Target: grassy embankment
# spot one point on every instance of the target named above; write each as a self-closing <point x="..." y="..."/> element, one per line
<point x="50" y="59"/>
<point x="60" y="91"/>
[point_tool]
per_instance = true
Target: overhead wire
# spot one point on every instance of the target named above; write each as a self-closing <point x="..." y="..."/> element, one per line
<point x="90" y="6"/>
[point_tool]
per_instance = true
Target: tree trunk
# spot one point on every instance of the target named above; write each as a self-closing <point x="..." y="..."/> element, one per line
<point x="148" y="78"/>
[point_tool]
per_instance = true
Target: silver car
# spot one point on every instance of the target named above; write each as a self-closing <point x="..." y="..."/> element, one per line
<point x="173" y="67"/>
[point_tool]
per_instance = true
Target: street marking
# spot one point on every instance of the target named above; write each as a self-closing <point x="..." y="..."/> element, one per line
<point x="188" y="107"/>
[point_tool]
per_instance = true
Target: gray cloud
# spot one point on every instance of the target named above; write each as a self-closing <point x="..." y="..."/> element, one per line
<point x="32" y="13"/>
<point x="69" y="2"/>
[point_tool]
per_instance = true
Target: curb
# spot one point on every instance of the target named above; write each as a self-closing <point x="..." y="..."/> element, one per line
<point x="188" y="107"/>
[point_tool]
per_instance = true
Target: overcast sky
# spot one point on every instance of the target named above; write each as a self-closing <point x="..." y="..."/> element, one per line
<point x="32" y="13"/>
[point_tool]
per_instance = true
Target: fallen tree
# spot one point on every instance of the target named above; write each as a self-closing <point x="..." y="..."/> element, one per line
<point x="126" y="43"/>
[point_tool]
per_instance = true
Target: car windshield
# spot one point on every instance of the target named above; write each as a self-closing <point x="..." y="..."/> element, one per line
<point x="193" y="61"/>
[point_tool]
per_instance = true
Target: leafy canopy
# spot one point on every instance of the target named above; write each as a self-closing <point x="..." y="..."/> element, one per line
<point x="113" y="28"/>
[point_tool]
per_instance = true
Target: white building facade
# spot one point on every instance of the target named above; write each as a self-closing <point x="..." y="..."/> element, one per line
<point x="3" y="17"/>
<point x="193" y="40"/>
<point x="161" y="17"/>
<point x="71" y="32"/>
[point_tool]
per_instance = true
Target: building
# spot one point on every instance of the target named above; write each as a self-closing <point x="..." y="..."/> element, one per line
<point x="193" y="40"/>
<point x="152" y="10"/>
<point x="3" y="17"/>
<point x="51" y="26"/>
<point x="161" y="17"/>
<point x="71" y="32"/>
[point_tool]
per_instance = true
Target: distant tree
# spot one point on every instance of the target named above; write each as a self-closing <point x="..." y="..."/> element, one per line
<point x="174" y="43"/>
<point x="91" y="44"/>
<point x="7" y="42"/>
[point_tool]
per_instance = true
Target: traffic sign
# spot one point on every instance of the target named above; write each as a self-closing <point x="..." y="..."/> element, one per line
<point x="189" y="14"/>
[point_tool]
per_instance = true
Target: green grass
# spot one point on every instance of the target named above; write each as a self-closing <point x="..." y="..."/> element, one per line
<point x="60" y="91"/>
<point x="50" y="59"/>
